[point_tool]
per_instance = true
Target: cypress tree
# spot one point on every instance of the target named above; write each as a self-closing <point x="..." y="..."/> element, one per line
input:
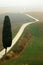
<point x="6" y="33"/>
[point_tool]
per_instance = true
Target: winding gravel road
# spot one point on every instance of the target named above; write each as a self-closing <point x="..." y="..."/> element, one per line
<point x="18" y="35"/>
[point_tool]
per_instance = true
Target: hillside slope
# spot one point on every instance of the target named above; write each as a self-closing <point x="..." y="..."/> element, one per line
<point x="33" y="53"/>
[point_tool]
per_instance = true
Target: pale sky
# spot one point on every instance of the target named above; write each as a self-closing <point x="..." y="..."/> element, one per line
<point x="26" y="4"/>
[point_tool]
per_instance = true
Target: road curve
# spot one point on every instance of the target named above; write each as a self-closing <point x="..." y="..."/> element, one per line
<point x="18" y="35"/>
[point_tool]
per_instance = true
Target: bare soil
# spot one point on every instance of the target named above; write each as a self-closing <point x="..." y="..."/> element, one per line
<point x="38" y="15"/>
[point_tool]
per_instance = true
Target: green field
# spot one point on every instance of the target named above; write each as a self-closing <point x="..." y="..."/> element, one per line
<point x="33" y="53"/>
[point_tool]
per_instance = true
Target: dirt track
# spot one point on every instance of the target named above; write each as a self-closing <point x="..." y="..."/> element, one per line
<point x="38" y="15"/>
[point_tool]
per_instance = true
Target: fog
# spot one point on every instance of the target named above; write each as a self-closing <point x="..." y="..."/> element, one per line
<point x="20" y="5"/>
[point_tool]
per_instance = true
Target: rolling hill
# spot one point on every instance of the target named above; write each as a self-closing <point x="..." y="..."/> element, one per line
<point x="33" y="52"/>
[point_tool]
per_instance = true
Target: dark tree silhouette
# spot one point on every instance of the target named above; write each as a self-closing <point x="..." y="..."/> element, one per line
<point x="6" y="33"/>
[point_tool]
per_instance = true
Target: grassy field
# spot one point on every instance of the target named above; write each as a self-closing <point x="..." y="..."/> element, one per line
<point x="33" y="53"/>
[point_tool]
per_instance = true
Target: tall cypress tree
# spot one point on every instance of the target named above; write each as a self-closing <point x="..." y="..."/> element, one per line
<point x="6" y="33"/>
